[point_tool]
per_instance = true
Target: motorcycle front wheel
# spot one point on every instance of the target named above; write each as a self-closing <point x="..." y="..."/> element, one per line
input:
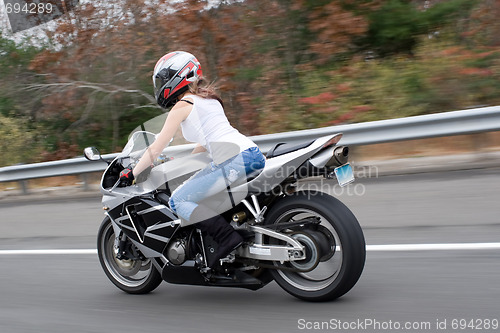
<point x="335" y="250"/>
<point x="131" y="276"/>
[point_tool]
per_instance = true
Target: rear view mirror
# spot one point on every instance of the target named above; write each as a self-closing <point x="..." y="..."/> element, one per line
<point x="92" y="154"/>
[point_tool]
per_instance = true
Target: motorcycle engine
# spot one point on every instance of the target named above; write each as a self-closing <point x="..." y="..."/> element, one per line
<point x="176" y="252"/>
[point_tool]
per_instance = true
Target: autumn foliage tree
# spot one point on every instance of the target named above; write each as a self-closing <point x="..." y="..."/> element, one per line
<point x="279" y="64"/>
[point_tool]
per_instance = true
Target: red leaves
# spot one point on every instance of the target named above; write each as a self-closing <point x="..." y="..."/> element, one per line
<point x="335" y="28"/>
<point x="350" y="115"/>
<point x="476" y="71"/>
<point x="319" y="99"/>
<point x="343" y="87"/>
<point x="43" y="60"/>
<point x="64" y="150"/>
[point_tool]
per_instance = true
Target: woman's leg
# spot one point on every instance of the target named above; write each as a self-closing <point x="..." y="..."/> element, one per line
<point x="220" y="230"/>
<point x="207" y="182"/>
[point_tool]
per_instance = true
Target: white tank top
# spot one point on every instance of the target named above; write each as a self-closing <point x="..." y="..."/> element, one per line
<point x="208" y="125"/>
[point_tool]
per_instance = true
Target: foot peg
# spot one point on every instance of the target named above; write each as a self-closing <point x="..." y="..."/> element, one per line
<point x="228" y="260"/>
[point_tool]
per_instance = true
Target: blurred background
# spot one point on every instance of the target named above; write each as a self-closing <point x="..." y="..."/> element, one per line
<point x="281" y="65"/>
<point x="84" y="79"/>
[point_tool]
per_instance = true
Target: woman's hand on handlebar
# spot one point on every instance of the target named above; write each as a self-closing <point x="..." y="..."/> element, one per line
<point x="126" y="177"/>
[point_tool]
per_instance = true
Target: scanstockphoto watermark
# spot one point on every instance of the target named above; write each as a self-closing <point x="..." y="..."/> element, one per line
<point x="371" y="324"/>
<point x="331" y="186"/>
<point x="326" y="186"/>
<point x="282" y="179"/>
<point x="281" y="182"/>
<point x="362" y="324"/>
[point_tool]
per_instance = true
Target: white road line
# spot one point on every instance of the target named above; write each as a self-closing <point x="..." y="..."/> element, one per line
<point x="370" y="248"/>
<point x="433" y="247"/>
<point x="60" y="251"/>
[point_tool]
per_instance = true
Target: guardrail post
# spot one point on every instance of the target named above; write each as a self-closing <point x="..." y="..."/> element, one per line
<point x="23" y="184"/>
<point x="482" y="141"/>
<point x="85" y="180"/>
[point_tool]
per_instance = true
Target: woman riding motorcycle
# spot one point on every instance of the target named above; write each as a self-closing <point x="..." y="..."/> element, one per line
<point x="198" y="110"/>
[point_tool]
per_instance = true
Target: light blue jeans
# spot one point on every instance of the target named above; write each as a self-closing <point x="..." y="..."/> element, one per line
<point x="213" y="179"/>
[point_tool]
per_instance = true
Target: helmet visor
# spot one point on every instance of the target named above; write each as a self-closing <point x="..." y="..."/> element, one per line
<point x="162" y="77"/>
<point x="157" y="83"/>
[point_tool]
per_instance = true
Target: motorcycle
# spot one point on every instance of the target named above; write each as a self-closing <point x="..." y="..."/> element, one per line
<point x="307" y="241"/>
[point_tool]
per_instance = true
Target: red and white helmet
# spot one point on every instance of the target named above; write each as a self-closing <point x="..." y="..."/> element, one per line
<point x="172" y="74"/>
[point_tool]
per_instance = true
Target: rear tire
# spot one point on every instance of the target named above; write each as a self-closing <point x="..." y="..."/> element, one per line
<point x="339" y="270"/>
<point x="131" y="276"/>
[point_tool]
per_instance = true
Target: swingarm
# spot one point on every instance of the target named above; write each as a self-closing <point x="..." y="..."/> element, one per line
<point x="292" y="250"/>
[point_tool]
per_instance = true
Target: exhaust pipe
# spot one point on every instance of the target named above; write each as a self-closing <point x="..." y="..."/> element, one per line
<point x="340" y="156"/>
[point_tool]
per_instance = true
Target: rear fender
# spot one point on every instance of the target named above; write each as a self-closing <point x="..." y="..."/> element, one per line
<point x="278" y="168"/>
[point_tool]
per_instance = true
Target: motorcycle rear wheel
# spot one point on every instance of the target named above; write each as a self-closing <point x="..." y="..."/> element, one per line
<point x="337" y="271"/>
<point x="131" y="276"/>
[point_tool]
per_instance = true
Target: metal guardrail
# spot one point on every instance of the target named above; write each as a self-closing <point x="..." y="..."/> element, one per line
<point x="417" y="127"/>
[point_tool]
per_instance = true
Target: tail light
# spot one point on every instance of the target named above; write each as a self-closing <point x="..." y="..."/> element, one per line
<point x="333" y="141"/>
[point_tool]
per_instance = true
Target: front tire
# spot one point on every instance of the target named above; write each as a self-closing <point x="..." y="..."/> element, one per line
<point x="131" y="276"/>
<point x="338" y="270"/>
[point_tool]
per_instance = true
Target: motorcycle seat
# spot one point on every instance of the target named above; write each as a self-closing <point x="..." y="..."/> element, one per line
<point x="285" y="148"/>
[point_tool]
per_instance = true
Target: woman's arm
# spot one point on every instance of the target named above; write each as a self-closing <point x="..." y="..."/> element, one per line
<point x="179" y="112"/>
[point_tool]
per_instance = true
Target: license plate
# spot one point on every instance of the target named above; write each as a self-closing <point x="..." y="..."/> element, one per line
<point x="344" y="174"/>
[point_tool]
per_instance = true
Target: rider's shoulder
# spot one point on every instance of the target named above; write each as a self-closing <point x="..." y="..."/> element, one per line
<point x="186" y="100"/>
<point x="182" y="107"/>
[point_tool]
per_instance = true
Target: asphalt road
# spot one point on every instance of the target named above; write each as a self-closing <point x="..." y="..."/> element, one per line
<point x="425" y="290"/>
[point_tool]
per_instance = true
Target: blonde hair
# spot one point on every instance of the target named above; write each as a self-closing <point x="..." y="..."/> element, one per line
<point x="206" y="90"/>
